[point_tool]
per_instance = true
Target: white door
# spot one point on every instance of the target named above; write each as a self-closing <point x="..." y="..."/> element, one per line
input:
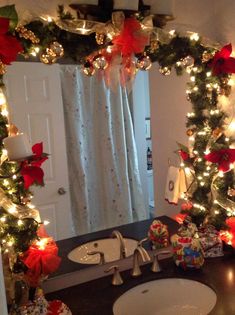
<point x="36" y="108"/>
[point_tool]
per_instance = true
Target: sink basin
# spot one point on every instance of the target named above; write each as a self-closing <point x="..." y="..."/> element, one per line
<point x="109" y="246"/>
<point x="166" y="297"/>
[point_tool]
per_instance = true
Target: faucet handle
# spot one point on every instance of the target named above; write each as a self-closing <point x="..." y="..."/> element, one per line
<point x="156" y="266"/>
<point x="117" y="279"/>
<point x="95" y="252"/>
<point x="140" y="243"/>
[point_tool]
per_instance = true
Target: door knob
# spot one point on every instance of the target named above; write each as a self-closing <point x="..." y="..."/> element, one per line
<point x="61" y="191"/>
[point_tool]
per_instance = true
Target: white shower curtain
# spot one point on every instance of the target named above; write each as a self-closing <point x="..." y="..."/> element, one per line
<point x="103" y="167"/>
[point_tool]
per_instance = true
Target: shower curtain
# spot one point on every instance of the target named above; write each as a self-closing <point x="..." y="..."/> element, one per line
<point x="104" y="178"/>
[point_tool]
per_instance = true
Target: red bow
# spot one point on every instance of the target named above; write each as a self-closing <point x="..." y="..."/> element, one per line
<point x="41" y="259"/>
<point x="131" y="40"/>
<point x="31" y="169"/>
<point x="223" y="158"/>
<point x="222" y="62"/>
<point x="9" y="45"/>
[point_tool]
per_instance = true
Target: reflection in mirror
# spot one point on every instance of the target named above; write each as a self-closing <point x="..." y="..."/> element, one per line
<point x="107" y="177"/>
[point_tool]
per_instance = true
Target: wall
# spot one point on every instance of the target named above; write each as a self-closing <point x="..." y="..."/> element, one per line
<point x="169" y="107"/>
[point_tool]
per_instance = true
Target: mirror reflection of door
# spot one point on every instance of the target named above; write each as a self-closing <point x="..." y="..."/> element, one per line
<point x="34" y="95"/>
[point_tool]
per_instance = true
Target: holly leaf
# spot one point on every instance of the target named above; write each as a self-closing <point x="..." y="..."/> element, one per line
<point x="183" y="147"/>
<point x="10" y="13"/>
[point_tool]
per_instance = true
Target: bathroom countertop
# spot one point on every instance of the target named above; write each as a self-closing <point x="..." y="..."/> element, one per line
<point x="136" y="230"/>
<point x="97" y="297"/>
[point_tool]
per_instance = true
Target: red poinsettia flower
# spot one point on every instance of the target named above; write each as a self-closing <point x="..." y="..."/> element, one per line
<point x="131" y="40"/>
<point x="223" y="158"/>
<point x="41" y="259"/>
<point x="222" y="62"/>
<point x="32" y="175"/>
<point x="184" y="155"/>
<point x="9" y="45"/>
<point x="31" y="169"/>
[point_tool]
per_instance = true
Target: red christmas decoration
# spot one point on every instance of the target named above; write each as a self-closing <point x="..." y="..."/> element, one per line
<point x="223" y="158"/>
<point x="131" y="40"/>
<point x="180" y="218"/>
<point x="229" y="236"/>
<point x="186" y="206"/>
<point x="184" y="155"/>
<point x="9" y="45"/>
<point x="41" y="259"/>
<point x="222" y="62"/>
<point x="31" y="169"/>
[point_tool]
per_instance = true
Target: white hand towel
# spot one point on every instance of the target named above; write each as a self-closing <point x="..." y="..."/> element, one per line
<point x="172" y="185"/>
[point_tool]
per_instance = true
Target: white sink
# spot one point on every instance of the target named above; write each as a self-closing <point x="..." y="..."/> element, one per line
<point x="109" y="246"/>
<point x="166" y="297"/>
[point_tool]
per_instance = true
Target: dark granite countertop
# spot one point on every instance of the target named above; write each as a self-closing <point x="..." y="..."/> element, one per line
<point x="97" y="297"/>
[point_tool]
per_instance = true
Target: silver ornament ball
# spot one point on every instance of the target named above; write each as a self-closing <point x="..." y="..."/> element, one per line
<point x="88" y="69"/>
<point x="165" y="70"/>
<point x="144" y="63"/>
<point x="100" y="62"/>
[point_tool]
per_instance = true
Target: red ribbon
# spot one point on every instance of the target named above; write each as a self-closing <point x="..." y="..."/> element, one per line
<point x="131" y="40"/>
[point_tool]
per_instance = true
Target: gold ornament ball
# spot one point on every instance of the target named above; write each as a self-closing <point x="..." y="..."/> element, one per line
<point x="47" y="59"/>
<point x="165" y="70"/>
<point x="100" y="62"/>
<point x="217" y="131"/>
<point x="100" y="38"/>
<point x="190" y="132"/>
<point x="3" y="68"/>
<point x="154" y="45"/>
<point x="88" y="69"/>
<point x="144" y="63"/>
<point x="188" y="61"/>
<point x="206" y="56"/>
<point x="231" y="192"/>
<point x="57" y="49"/>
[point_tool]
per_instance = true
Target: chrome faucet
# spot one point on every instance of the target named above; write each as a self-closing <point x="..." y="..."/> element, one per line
<point x="118" y="235"/>
<point x="139" y="252"/>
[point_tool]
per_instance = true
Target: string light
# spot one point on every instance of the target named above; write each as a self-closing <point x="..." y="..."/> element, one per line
<point x="194" y="37"/>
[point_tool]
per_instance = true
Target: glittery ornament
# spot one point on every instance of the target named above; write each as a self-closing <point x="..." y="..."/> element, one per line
<point x="144" y="63"/>
<point x="88" y="69"/>
<point x="48" y="59"/>
<point x="217" y="132"/>
<point x="190" y="132"/>
<point x="188" y="61"/>
<point x="206" y="56"/>
<point x="100" y="38"/>
<point x="3" y="69"/>
<point x="154" y="44"/>
<point x="100" y="62"/>
<point x="231" y="192"/>
<point x="165" y="70"/>
<point x="56" y="49"/>
<point x="27" y="34"/>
